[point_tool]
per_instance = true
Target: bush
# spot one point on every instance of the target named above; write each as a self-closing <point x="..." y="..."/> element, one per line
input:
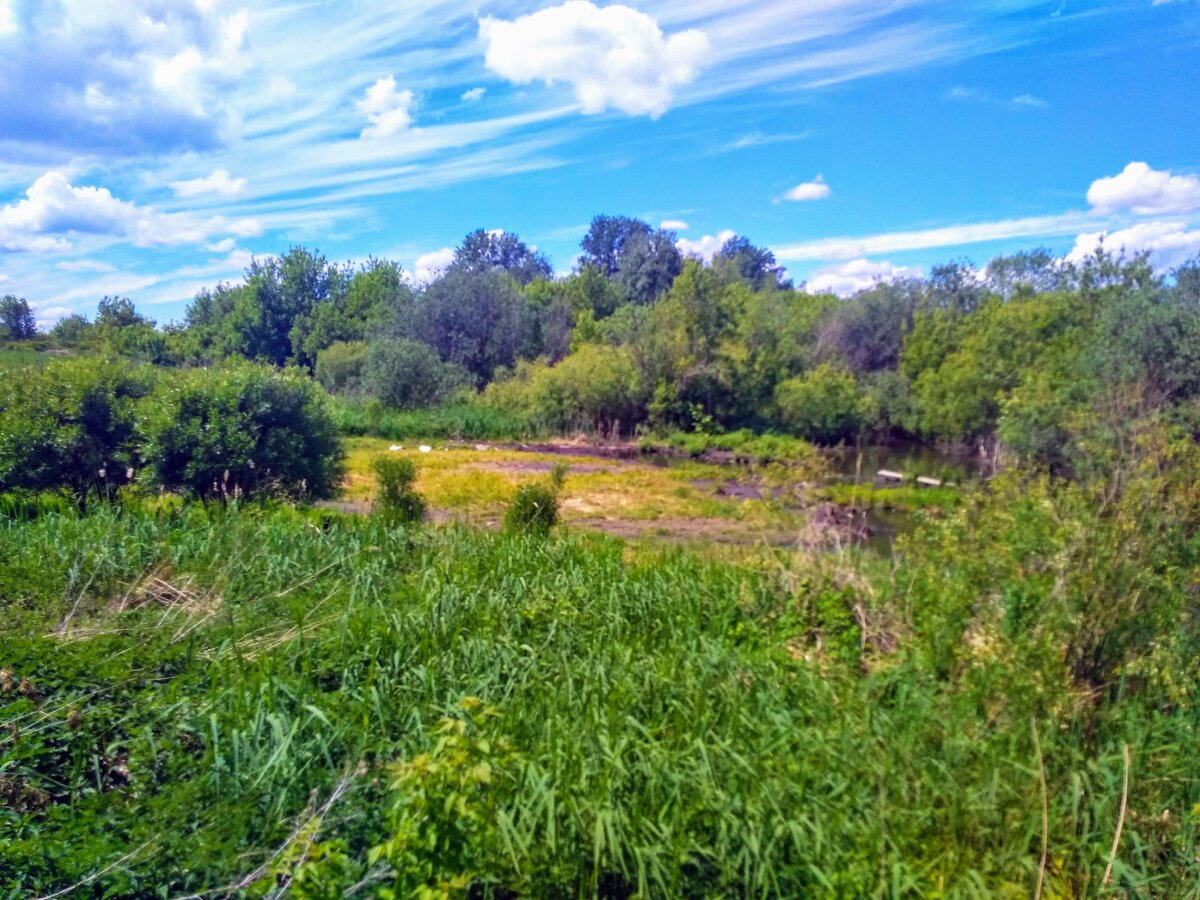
<point x="595" y="388"/>
<point x="243" y="430"/>
<point x="821" y="405"/>
<point x="340" y="366"/>
<point x="397" y="501"/>
<point x="70" y="425"/>
<point x="407" y="374"/>
<point x="534" y="510"/>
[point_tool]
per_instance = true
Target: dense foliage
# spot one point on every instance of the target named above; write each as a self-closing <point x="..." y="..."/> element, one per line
<point x="1016" y="358"/>
<point x="232" y="698"/>
<point x="88" y="427"/>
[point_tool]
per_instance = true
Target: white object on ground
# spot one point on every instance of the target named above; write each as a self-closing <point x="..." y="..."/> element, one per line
<point x="425" y="448"/>
<point x="395" y="448"/>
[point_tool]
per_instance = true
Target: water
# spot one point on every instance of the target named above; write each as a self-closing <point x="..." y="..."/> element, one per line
<point x="859" y="465"/>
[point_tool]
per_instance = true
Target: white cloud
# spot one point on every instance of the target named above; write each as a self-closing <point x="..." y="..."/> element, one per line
<point x="933" y="238"/>
<point x="1146" y="192"/>
<point x="225" y="246"/>
<point x="186" y="77"/>
<point x="84" y="265"/>
<point x="1013" y="104"/>
<point x="53" y="207"/>
<point x="48" y="316"/>
<point x="614" y="57"/>
<point x="816" y="189"/>
<point x="388" y="110"/>
<point x="704" y="248"/>
<point x="430" y="265"/>
<point x="675" y="225"/>
<point x="759" y="139"/>
<point x="1169" y="243"/>
<point x="473" y="95"/>
<point x="240" y="259"/>
<point x="856" y="275"/>
<point x="91" y="75"/>
<point x="218" y="182"/>
<point x="8" y="18"/>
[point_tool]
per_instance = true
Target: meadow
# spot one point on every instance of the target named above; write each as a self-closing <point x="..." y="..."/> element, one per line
<point x="209" y="699"/>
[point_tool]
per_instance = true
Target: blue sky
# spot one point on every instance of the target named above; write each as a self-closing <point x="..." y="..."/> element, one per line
<point x="151" y="148"/>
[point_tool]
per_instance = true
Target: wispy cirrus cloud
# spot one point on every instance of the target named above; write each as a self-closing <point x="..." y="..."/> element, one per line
<point x="152" y="102"/>
<point x="1018" y="103"/>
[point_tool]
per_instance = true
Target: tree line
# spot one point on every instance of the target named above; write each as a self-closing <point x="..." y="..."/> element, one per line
<point x="1028" y="353"/>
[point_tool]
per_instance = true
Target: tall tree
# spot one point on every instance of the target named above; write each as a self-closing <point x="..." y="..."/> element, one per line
<point x="756" y="266"/>
<point x="119" y="312"/>
<point x="486" y="250"/>
<point x="477" y="319"/>
<point x="605" y="241"/>
<point x="649" y="265"/>
<point x="17" y="322"/>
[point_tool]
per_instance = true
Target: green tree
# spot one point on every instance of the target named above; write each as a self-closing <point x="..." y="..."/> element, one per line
<point x="649" y="264"/>
<point x="604" y="244"/>
<point x="17" y="322"/>
<point x="822" y="405"/>
<point x="479" y="320"/>
<point x="756" y="266"/>
<point x="483" y="251"/>
<point x="69" y="331"/>
<point x="406" y="374"/>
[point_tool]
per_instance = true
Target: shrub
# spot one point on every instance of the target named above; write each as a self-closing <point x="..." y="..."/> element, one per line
<point x="70" y="426"/>
<point x="397" y="501"/>
<point x="340" y="366"/>
<point x="821" y="405"/>
<point x="408" y="374"/>
<point x="534" y="509"/>
<point x="243" y="430"/>
<point x="594" y="388"/>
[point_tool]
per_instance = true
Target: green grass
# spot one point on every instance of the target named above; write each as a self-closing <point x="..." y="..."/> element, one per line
<point x="202" y="682"/>
<point x="15" y="358"/>
<point x="903" y="499"/>
<point x="469" y="422"/>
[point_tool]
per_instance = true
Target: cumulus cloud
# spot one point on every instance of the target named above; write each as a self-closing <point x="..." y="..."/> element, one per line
<point x="674" y="225"/>
<point x="102" y="74"/>
<point x="430" y="265"/>
<point x="816" y="189"/>
<point x="218" y="182"/>
<point x="8" y="18"/>
<point x="388" y="110"/>
<point x="614" y="57"/>
<point x="1168" y="243"/>
<point x="1146" y="192"/>
<point x="856" y="275"/>
<point x="53" y="208"/>
<point x="473" y="95"/>
<point x="704" y="248"/>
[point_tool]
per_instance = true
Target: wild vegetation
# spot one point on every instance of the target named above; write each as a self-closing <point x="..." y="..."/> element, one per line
<point x="211" y="687"/>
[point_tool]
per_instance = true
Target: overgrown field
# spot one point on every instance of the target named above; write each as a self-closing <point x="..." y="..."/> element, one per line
<point x="202" y="698"/>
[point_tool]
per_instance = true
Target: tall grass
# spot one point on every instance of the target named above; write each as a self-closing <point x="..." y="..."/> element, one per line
<point x="470" y="422"/>
<point x="204" y="683"/>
